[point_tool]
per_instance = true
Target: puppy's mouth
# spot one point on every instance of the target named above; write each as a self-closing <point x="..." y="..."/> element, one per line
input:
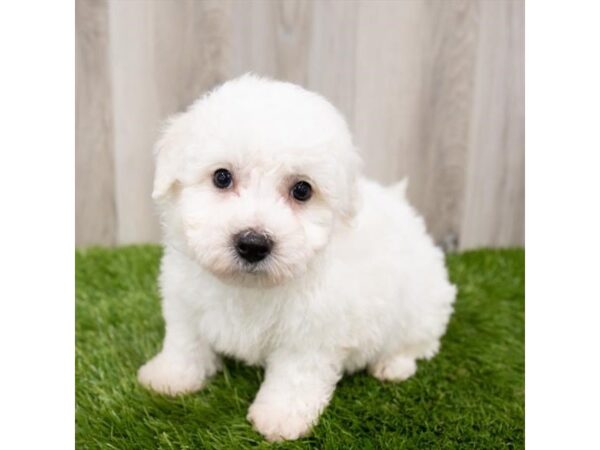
<point x="267" y="272"/>
<point x="256" y="269"/>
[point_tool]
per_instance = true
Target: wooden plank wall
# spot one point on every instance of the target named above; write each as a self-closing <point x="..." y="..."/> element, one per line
<point x="95" y="214"/>
<point x="433" y="89"/>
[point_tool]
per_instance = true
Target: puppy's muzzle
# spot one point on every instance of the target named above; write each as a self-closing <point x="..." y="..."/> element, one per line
<point x="252" y="246"/>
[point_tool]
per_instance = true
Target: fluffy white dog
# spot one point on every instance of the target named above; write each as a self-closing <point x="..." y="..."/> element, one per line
<point x="278" y="253"/>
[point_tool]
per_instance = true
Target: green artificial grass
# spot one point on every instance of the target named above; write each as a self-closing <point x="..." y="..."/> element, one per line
<point x="471" y="395"/>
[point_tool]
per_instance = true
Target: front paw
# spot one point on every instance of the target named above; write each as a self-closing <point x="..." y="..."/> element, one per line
<point x="172" y="376"/>
<point x="281" y="422"/>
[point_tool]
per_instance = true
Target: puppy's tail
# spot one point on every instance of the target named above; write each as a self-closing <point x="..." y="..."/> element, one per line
<point x="398" y="189"/>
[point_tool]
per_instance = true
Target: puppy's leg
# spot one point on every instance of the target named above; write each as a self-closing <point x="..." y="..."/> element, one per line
<point x="186" y="360"/>
<point x="295" y="391"/>
<point x="396" y="367"/>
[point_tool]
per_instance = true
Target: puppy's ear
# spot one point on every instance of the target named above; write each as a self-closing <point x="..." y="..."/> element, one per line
<point x="350" y="198"/>
<point x="168" y="153"/>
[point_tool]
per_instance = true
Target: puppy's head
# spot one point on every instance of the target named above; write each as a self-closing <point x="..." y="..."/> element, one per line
<point x="252" y="179"/>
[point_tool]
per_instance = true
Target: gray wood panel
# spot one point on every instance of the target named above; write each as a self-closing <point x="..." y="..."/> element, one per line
<point x="331" y="69"/>
<point x="163" y="55"/>
<point x="495" y="194"/>
<point x="95" y="219"/>
<point x="413" y="101"/>
<point x="309" y="43"/>
<point x="432" y="89"/>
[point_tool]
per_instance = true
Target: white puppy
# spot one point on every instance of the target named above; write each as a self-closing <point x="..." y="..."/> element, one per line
<point x="278" y="253"/>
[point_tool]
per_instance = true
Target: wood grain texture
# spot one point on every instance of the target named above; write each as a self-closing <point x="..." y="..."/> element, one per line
<point x="413" y="101"/>
<point x="437" y="162"/>
<point x="388" y="73"/>
<point x="495" y="186"/>
<point x="271" y="39"/>
<point x="309" y="43"/>
<point x="432" y="90"/>
<point x="163" y="55"/>
<point x="332" y="61"/>
<point x="95" y="220"/>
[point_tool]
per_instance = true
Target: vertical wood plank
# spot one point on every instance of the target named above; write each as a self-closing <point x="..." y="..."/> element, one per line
<point x="270" y="38"/>
<point x="164" y="55"/>
<point x="253" y="38"/>
<point x="494" y="203"/>
<point x="309" y="43"/>
<point x="439" y="157"/>
<point x="136" y="117"/>
<point x="332" y="53"/>
<point x="95" y="221"/>
<point x="413" y="97"/>
<point x="387" y="82"/>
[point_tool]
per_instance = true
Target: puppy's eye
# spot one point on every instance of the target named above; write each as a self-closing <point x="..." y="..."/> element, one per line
<point x="301" y="191"/>
<point x="222" y="178"/>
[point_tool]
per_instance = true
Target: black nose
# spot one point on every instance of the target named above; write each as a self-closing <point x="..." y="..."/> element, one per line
<point x="252" y="246"/>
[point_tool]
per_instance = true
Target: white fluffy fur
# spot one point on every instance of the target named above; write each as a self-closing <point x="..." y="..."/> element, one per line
<point x="354" y="280"/>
